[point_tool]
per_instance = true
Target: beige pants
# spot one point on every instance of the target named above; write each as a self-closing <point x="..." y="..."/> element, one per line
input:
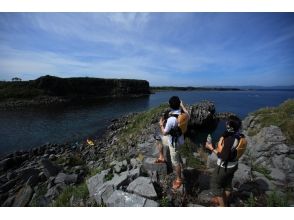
<point x="175" y="155"/>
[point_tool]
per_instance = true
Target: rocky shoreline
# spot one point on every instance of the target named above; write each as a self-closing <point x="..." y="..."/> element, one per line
<point x="120" y="165"/>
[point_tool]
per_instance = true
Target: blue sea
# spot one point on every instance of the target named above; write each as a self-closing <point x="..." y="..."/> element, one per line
<point x="33" y="127"/>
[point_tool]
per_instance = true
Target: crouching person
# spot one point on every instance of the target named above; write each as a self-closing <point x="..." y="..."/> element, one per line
<point x="230" y="148"/>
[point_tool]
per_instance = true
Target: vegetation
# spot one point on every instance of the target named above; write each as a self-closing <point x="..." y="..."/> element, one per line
<point x="274" y="200"/>
<point x="281" y="116"/>
<point x="251" y="201"/>
<point x="263" y="170"/>
<point x="187" y="150"/>
<point x="140" y="122"/>
<point x="77" y="192"/>
<point x="190" y="88"/>
<point x="18" y="90"/>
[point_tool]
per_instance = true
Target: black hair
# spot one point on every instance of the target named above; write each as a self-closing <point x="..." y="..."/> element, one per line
<point x="234" y="122"/>
<point x="174" y="102"/>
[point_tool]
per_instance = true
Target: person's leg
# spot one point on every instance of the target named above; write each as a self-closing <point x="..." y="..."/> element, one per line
<point x="226" y="196"/>
<point x="160" y="149"/>
<point x="179" y="172"/>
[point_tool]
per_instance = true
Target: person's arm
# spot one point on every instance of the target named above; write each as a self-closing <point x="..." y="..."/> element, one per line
<point x="184" y="109"/>
<point x="162" y="127"/>
<point x="209" y="146"/>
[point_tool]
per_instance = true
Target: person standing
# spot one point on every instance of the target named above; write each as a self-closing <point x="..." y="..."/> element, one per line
<point x="172" y="136"/>
<point x="229" y="149"/>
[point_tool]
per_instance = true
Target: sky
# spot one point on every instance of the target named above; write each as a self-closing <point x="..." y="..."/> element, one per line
<point x="167" y="49"/>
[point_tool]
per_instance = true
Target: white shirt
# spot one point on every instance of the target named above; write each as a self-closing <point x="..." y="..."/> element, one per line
<point x="171" y="123"/>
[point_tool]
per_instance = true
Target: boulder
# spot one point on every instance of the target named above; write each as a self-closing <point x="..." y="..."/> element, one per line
<point x="149" y="164"/>
<point x="50" y="169"/>
<point x="54" y="191"/>
<point x="142" y="186"/>
<point x="123" y="199"/>
<point x="202" y="115"/>
<point x="151" y="203"/>
<point x="96" y="181"/>
<point x="23" y="197"/>
<point x="66" y="178"/>
<point x="242" y="175"/>
<point x="103" y="193"/>
<point x="277" y="175"/>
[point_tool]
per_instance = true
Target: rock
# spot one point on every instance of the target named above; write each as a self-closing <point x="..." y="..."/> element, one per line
<point x="96" y="181"/>
<point x="278" y="175"/>
<point x="55" y="191"/>
<point x="103" y="193"/>
<point x="66" y="178"/>
<point x="149" y="164"/>
<point x="205" y="197"/>
<point x="8" y="185"/>
<point x="211" y="161"/>
<point x="23" y="197"/>
<point x="264" y="184"/>
<point x="134" y="162"/>
<point x="281" y="149"/>
<point x="194" y="205"/>
<point x="142" y="186"/>
<point x="202" y="115"/>
<point x="289" y="165"/>
<point x="242" y="175"/>
<point x="50" y="169"/>
<point x="8" y="202"/>
<point x="278" y="161"/>
<point x="117" y="168"/>
<point x="123" y="199"/>
<point x="151" y="203"/>
<point x="121" y="180"/>
<point x="29" y="173"/>
<point x="134" y="173"/>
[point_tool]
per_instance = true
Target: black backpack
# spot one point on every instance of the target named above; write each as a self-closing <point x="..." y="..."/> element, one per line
<point x="229" y="151"/>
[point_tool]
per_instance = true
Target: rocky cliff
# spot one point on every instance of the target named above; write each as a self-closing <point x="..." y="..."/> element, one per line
<point x="49" y="90"/>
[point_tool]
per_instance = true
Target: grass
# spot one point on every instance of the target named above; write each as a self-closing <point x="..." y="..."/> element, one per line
<point x="281" y="116"/>
<point x="187" y="150"/>
<point x="78" y="192"/>
<point x="164" y="202"/>
<point x="274" y="200"/>
<point x="142" y="121"/>
<point x="250" y="202"/>
<point x="263" y="170"/>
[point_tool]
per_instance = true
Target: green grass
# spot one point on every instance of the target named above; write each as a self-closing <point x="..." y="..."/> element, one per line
<point x="164" y="202"/>
<point x="187" y="150"/>
<point x="79" y="192"/>
<point x="142" y="121"/>
<point x="263" y="170"/>
<point x="281" y="116"/>
<point x="250" y="202"/>
<point x="274" y="200"/>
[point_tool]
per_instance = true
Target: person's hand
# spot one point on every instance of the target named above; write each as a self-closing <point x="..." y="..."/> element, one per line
<point x="209" y="146"/>
<point x="181" y="104"/>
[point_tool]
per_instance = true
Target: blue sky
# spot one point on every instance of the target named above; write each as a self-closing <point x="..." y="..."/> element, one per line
<point x="180" y="49"/>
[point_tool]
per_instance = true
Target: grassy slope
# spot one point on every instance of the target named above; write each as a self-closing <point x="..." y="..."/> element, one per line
<point x="281" y="116"/>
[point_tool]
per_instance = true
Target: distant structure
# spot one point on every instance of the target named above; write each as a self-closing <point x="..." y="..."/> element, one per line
<point x="16" y="79"/>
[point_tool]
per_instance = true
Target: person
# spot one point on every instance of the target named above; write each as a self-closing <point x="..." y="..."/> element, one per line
<point x="172" y="136"/>
<point x="229" y="149"/>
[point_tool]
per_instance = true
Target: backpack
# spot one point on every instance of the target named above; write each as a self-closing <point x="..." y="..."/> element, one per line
<point x="233" y="147"/>
<point x="176" y="132"/>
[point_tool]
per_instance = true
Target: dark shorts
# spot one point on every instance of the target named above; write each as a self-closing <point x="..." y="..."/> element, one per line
<point x="221" y="180"/>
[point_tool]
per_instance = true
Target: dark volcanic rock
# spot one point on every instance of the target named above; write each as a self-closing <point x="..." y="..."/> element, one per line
<point x="50" y="169"/>
<point x="202" y="116"/>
